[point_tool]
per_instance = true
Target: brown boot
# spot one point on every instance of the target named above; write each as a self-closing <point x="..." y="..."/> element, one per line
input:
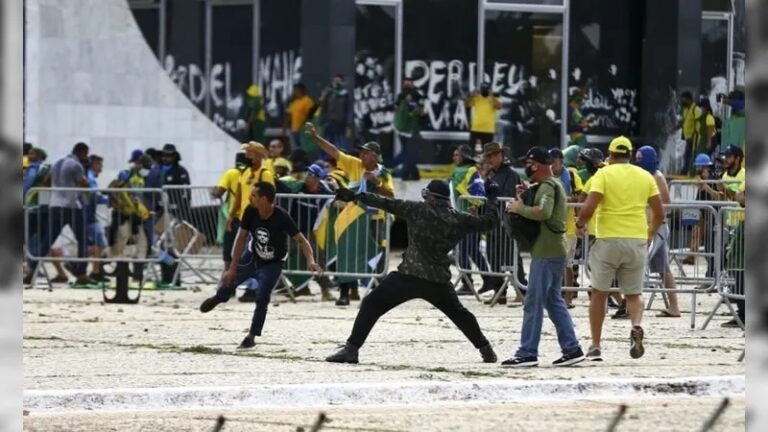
<point x="325" y="294"/>
<point x="353" y="294"/>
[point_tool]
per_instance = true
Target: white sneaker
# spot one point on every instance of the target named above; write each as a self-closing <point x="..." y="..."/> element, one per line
<point x="594" y="354"/>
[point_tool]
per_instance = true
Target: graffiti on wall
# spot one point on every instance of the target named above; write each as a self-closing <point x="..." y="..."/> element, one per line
<point x="215" y="86"/>
<point x="373" y="96"/>
<point x="446" y="84"/>
<point x="278" y="72"/>
<point x="611" y="109"/>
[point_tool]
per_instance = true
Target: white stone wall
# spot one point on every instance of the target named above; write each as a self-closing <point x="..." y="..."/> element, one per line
<point x="90" y="76"/>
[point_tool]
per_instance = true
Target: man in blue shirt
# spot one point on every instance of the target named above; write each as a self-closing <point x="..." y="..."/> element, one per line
<point x="95" y="237"/>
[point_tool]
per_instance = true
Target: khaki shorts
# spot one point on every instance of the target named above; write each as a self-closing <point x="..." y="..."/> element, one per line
<point x="620" y="259"/>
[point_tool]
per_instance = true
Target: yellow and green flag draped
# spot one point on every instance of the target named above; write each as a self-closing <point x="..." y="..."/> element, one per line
<point x="357" y="251"/>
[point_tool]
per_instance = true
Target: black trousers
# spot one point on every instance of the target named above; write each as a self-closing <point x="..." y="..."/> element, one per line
<point x="398" y="288"/>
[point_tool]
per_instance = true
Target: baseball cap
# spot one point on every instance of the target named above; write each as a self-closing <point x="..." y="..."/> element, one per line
<point x="135" y="155"/>
<point x="556" y="153"/>
<point x="41" y="151"/>
<point x="620" y="145"/>
<point x="371" y="146"/>
<point x="733" y="150"/>
<point x="702" y="159"/>
<point x="317" y="171"/>
<point x="539" y="154"/>
<point x="438" y="189"/>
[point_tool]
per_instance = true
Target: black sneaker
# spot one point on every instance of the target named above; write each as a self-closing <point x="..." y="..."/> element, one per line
<point x="208" y="304"/>
<point x="636" y="349"/>
<point x="343" y="301"/>
<point x="28" y="279"/>
<point x="346" y="354"/>
<point x="248" y="342"/>
<point x="249" y="296"/>
<point x="570" y="359"/>
<point x="611" y="303"/>
<point x="488" y="355"/>
<point x="520" y="362"/>
<point x="621" y="312"/>
<point x="730" y="324"/>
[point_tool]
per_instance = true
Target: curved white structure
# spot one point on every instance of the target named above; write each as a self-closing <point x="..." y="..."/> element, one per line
<point x="90" y="76"/>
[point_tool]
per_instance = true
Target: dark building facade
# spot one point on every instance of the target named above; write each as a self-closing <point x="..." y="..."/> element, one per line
<point x="629" y="59"/>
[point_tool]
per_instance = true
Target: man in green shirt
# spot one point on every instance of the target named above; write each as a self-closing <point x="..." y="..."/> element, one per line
<point x="545" y="278"/>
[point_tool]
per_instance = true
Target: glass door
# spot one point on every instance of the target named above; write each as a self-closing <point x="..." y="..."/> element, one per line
<point x="377" y="80"/>
<point x="523" y="56"/>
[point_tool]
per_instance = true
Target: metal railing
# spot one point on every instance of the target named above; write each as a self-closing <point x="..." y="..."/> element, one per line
<point x="730" y="271"/>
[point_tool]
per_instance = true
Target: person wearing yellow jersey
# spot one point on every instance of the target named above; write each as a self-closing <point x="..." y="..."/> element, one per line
<point x="276" y="152"/>
<point x="365" y="174"/>
<point x="228" y="184"/>
<point x="691" y="113"/>
<point x="620" y="192"/>
<point x="297" y="114"/>
<point x="484" y="106"/>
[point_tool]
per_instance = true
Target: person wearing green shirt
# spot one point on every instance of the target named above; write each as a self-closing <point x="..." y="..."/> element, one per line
<point x="548" y="260"/>
<point x="409" y="108"/>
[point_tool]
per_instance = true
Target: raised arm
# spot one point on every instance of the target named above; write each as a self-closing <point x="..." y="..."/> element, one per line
<point x="326" y="146"/>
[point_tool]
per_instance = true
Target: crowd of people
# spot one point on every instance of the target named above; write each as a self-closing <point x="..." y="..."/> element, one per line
<point x="623" y="218"/>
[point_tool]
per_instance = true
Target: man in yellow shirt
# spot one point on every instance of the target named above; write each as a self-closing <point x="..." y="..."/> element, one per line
<point x="365" y="174"/>
<point x="622" y="192"/>
<point x="297" y="113"/>
<point x="691" y="114"/>
<point x="228" y="184"/>
<point x="484" y="106"/>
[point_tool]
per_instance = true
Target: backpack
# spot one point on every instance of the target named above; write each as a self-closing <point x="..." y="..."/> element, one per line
<point x="523" y="230"/>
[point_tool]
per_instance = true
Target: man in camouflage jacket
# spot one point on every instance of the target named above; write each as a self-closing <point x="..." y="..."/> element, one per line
<point x="434" y="229"/>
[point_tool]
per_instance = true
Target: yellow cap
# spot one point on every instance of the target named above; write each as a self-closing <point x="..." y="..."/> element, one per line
<point x="253" y="91"/>
<point x="620" y="145"/>
<point x="281" y="162"/>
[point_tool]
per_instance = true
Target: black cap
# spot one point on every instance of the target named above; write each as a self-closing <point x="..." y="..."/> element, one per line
<point x="539" y="154"/>
<point x="439" y="189"/>
<point x="733" y="150"/>
<point x="556" y="153"/>
<point x="371" y="146"/>
<point x="171" y="149"/>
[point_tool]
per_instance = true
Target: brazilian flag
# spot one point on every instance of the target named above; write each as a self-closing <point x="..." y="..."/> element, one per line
<point x="357" y="251"/>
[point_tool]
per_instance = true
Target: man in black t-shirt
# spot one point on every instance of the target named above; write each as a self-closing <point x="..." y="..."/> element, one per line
<point x="270" y="226"/>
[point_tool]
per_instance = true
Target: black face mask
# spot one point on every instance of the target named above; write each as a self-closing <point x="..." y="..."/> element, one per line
<point x="529" y="171"/>
<point x="484" y="93"/>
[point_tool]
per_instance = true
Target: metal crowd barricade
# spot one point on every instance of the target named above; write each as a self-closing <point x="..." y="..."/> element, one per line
<point x="72" y="219"/>
<point x="349" y="241"/>
<point x="491" y="255"/>
<point x="686" y="190"/>
<point x="730" y="270"/>
<point x="196" y="231"/>
<point x="197" y="225"/>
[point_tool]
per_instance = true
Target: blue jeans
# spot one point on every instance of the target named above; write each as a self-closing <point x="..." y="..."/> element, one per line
<point x="545" y="281"/>
<point x="267" y="276"/>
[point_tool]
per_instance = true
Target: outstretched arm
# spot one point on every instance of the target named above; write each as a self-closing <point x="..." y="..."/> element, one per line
<point x="397" y="207"/>
<point x="485" y="222"/>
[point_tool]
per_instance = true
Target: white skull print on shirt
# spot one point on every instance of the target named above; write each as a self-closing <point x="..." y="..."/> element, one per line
<point x="262" y="247"/>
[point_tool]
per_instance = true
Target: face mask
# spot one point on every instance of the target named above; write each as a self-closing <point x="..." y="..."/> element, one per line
<point x="529" y="171"/>
<point x="143" y="172"/>
<point x="484" y="93"/>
